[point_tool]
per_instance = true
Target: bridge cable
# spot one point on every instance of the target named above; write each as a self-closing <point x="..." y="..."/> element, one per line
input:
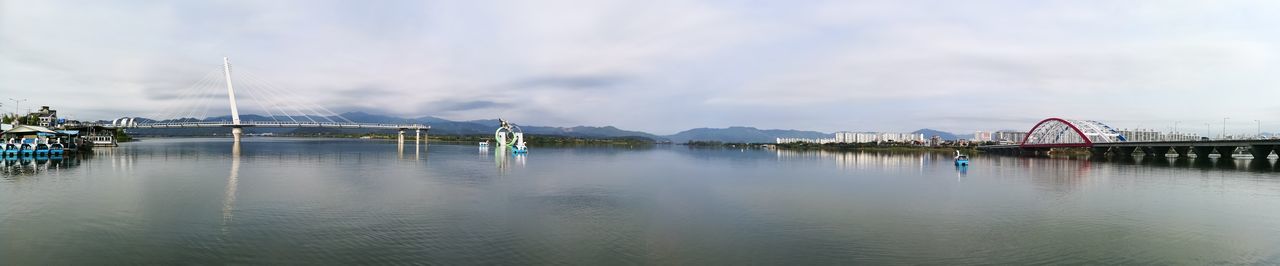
<point x="257" y="99"/>
<point x="275" y="96"/>
<point x="174" y="108"/>
<point x="199" y="99"/>
<point x="281" y="96"/>
<point x="307" y="105"/>
<point x="204" y="101"/>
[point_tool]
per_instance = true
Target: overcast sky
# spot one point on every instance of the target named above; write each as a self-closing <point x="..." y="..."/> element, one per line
<point x="665" y="66"/>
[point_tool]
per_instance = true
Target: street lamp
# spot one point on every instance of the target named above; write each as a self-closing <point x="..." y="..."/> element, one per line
<point x="16" y="104"/>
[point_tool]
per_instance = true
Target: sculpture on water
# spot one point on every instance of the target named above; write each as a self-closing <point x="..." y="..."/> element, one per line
<point x="510" y="136"/>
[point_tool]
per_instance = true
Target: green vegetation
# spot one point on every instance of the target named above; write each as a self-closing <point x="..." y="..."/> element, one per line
<point x="123" y="137"/>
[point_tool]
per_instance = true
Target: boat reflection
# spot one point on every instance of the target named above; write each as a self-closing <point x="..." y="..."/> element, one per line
<point x="34" y="165"/>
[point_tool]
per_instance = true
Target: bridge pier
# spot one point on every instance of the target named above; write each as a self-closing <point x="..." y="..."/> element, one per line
<point x="1099" y="151"/>
<point x="1202" y="152"/>
<point x="1182" y="151"/>
<point x="1124" y="151"/>
<point x="1158" y="151"/>
<point x="1226" y="151"/>
<point x="236" y="134"/>
<point x="1261" y="151"/>
<point x="417" y="137"/>
<point x="400" y="139"/>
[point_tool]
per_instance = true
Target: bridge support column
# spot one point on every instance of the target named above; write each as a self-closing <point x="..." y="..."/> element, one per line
<point x="417" y="137"/>
<point x="1147" y="151"/>
<point x="1202" y="152"/>
<point x="1158" y="151"/>
<point x="236" y="133"/>
<point x="400" y="139"/>
<point x="1098" y="151"/>
<point x="1182" y="151"/>
<point x="1124" y="151"/>
<point x="1261" y="151"/>
<point x="1226" y="151"/>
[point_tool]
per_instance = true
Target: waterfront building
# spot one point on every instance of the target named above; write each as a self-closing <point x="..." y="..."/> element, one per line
<point x="935" y="141"/>
<point x="804" y="140"/>
<point x="981" y="136"/>
<point x="48" y="117"/>
<point x="1153" y="135"/>
<point x="1009" y="136"/>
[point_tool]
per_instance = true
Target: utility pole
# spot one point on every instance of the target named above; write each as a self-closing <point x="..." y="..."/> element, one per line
<point x="1224" y="127"/>
<point x="16" y="104"/>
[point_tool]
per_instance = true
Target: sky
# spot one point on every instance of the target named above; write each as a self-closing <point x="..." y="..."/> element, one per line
<point x="661" y="66"/>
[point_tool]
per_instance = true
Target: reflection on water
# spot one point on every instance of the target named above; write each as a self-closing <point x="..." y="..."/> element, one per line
<point x="310" y="201"/>
<point x="503" y="157"/>
<point x="229" y="198"/>
<point x="39" y="165"/>
<point x="857" y="160"/>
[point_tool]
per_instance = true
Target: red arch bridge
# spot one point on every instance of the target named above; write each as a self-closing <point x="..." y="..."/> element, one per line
<point x="1100" y="139"/>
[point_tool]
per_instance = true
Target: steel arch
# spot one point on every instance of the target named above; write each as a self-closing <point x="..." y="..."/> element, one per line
<point x="1059" y="132"/>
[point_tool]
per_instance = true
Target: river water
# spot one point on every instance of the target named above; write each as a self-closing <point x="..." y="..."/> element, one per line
<point x="305" y="201"/>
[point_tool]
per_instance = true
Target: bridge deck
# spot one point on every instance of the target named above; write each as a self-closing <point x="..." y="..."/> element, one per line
<point x="1201" y="143"/>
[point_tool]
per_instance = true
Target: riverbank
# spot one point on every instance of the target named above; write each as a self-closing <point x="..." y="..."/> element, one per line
<point x="839" y="147"/>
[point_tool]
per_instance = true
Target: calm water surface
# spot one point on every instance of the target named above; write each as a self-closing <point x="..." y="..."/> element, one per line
<point x="275" y="200"/>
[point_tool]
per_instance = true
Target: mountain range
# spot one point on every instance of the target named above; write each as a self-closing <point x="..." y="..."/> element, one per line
<point x="441" y="126"/>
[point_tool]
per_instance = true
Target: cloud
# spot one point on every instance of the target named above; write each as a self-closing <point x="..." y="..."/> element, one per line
<point x="446" y="106"/>
<point x="662" y="65"/>
<point x="572" y="82"/>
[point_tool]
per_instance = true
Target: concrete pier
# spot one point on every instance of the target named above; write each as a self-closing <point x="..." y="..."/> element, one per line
<point x="1124" y="151"/>
<point x="1182" y="151"/>
<point x="400" y="138"/>
<point x="1159" y="151"/>
<point x="1202" y="151"/>
<point x="236" y="134"/>
<point x="1226" y="151"/>
<point x="1261" y="151"/>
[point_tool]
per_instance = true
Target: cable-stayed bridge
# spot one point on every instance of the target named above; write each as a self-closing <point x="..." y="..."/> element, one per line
<point x="282" y="108"/>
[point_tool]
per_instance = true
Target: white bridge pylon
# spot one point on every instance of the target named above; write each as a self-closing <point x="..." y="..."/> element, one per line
<point x="283" y="108"/>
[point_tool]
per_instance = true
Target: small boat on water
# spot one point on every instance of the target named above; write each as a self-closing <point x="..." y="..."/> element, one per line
<point x="42" y="149"/>
<point x="56" y="149"/>
<point x="27" y="147"/>
<point x="9" y="150"/>
<point x="961" y="159"/>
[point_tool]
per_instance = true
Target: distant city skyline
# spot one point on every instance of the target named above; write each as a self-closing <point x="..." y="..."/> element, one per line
<point x="667" y="66"/>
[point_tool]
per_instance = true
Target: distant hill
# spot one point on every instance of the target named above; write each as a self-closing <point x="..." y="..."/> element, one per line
<point x="438" y="126"/>
<point x="929" y="133"/>
<point x="590" y="132"/>
<point x="742" y="134"/>
<point x="441" y="126"/>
